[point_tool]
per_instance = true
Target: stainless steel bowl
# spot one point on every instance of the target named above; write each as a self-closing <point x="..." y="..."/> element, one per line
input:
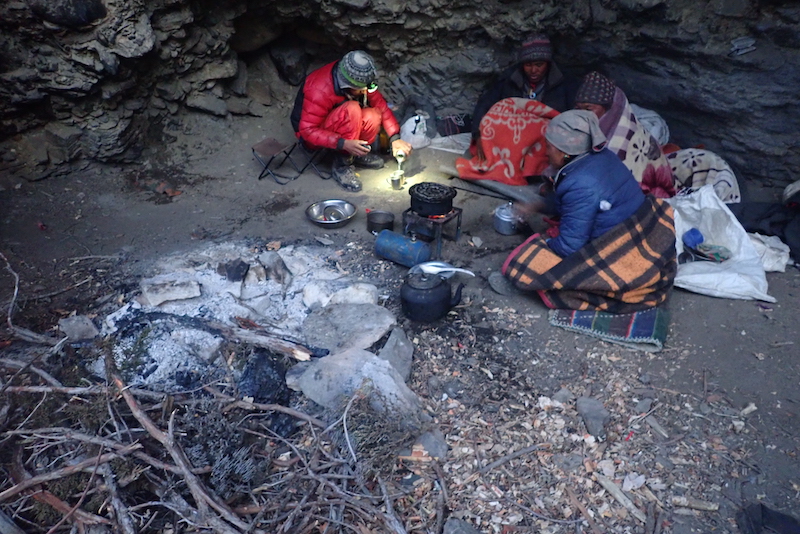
<point x="333" y="213"/>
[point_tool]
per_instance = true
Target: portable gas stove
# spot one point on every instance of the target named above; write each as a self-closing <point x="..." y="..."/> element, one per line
<point x="432" y="213"/>
<point x="434" y="227"/>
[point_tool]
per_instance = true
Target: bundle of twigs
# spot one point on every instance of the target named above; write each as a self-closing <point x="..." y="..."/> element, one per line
<point x="131" y="473"/>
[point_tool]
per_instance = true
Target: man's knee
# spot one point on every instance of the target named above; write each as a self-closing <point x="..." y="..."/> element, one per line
<point x="370" y="123"/>
<point x="371" y="116"/>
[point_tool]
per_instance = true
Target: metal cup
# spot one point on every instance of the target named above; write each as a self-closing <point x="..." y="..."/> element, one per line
<point x="397" y="179"/>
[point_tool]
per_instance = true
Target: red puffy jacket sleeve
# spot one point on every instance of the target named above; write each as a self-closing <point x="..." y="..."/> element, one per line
<point x="320" y="98"/>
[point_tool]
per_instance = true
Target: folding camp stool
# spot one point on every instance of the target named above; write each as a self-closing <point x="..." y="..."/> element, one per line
<point x="272" y="155"/>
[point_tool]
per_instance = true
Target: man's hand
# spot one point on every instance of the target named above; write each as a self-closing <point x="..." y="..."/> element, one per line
<point x="523" y="210"/>
<point x="479" y="150"/>
<point x="400" y="145"/>
<point x="356" y="147"/>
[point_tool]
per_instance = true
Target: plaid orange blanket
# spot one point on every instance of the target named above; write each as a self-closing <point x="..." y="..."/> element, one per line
<point x="629" y="268"/>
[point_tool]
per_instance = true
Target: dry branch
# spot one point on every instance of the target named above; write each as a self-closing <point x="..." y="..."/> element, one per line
<point x="234" y="403"/>
<point x="65" y="471"/>
<point x="14" y="364"/>
<point x="201" y="496"/>
<point x="695" y="504"/>
<point x="267" y="341"/>
<point x="121" y="513"/>
<point x="516" y="454"/>
<point x="579" y="505"/>
<point x="23" y="333"/>
<point x="80" y="500"/>
<point x="623" y="499"/>
<point x="60" y="433"/>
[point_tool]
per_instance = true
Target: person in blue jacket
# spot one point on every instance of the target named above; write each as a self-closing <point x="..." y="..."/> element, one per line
<point x="615" y="249"/>
<point x="593" y="190"/>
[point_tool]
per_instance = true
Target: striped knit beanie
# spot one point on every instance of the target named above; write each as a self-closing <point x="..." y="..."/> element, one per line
<point x="596" y="89"/>
<point x="356" y="70"/>
<point x="537" y="48"/>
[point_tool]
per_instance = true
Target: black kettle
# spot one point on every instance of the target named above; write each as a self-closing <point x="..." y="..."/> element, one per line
<point x="427" y="297"/>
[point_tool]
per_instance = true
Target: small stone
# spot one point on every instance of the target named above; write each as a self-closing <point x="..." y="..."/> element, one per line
<point x="399" y="352"/>
<point x="166" y="287"/>
<point x="594" y="415"/>
<point x="567" y="462"/>
<point x="233" y="271"/>
<point x="434" y="385"/>
<point x="78" y="327"/>
<point x="563" y="395"/>
<point x="459" y="526"/>
<point x="644" y="405"/>
<point x="502" y="285"/>
<point x="434" y="444"/>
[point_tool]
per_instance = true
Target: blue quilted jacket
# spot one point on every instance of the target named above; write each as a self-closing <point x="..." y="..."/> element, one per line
<point x="593" y="193"/>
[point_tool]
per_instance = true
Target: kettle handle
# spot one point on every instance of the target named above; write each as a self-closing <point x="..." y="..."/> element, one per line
<point x="456" y="299"/>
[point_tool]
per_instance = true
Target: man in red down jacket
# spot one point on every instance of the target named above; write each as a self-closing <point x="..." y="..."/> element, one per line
<point x="339" y="107"/>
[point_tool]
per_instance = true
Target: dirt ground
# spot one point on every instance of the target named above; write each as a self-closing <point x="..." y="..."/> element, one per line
<point x="79" y="239"/>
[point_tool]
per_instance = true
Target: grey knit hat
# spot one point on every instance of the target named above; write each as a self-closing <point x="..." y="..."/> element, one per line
<point x="575" y="132"/>
<point x="356" y="70"/>
<point x="536" y="48"/>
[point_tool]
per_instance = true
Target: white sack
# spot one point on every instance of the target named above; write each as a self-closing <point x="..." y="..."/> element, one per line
<point x="415" y="130"/>
<point x="773" y="252"/>
<point x="740" y="277"/>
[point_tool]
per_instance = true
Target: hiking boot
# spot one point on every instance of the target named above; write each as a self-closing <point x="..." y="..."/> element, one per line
<point x="369" y="161"/>
<point x="345" y="174"/>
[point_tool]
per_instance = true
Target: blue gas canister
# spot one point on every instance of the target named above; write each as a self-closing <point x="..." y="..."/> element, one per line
<point x="401" y="249"/>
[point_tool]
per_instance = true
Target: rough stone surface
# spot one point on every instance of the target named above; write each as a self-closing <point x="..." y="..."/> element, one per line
<point x="78" y="327"/>
<point x="434" y="444"/>
<point x="332" y="379"/>
<point x="398" y="351"/>
<point x="671" y="57"/>
<point x="167" y="287"/>
<point x="459" y="526"/>
<point x="340" y="327"/>
<point x="594" y="414"/>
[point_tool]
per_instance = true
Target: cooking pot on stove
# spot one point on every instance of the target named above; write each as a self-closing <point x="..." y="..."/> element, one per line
<point x="430" y="199"/>
<point x="427" y="297"/>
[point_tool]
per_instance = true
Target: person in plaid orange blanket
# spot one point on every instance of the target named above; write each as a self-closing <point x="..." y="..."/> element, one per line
<point x="616" y="247"/>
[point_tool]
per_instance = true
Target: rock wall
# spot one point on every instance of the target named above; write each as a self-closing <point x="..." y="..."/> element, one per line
<point x="88" y="78"/>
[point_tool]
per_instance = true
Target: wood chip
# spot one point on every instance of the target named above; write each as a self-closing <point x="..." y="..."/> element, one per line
<point x="623" y="499"/>
<point x="695" y="504"/>
<point x="656" y="426"/>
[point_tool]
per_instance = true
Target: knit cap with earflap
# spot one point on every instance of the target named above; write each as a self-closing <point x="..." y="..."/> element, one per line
<point x="575" y="132"/>
<point x="356" y="70"/>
